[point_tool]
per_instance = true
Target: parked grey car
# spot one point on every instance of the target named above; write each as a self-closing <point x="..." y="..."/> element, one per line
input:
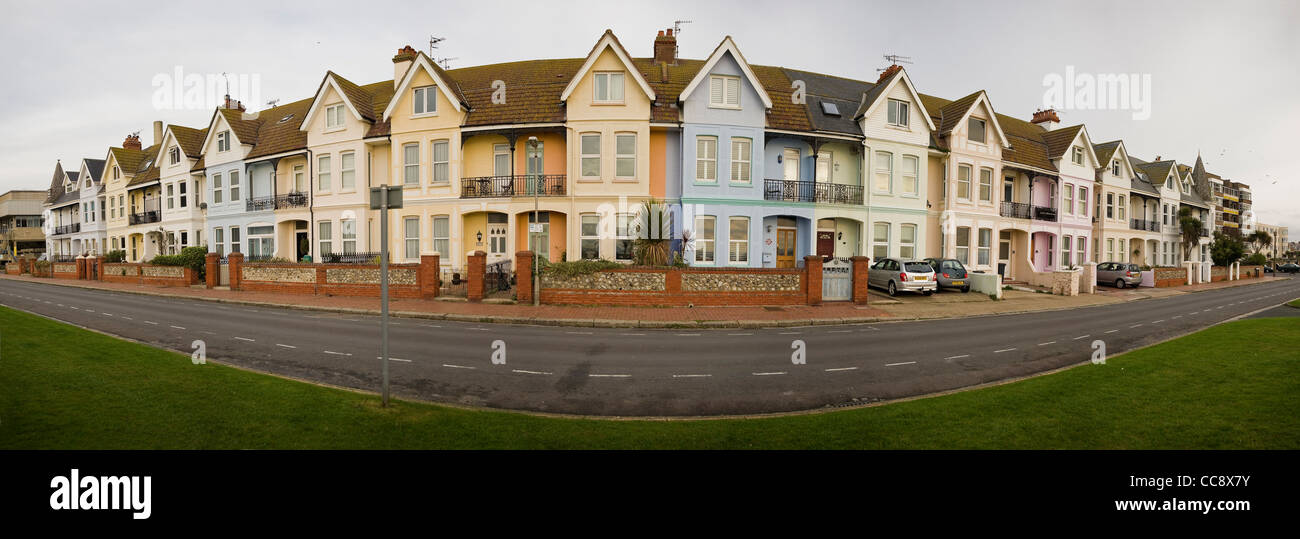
<point x="893" y="275"/>
<point x="1119" y="274"/>
<point x="950" y="273"/>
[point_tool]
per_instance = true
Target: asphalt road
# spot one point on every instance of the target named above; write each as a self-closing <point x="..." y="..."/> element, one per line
<point x="629" y="372"/>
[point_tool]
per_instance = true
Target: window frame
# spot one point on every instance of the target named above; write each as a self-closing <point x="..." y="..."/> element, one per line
<point x="583" y="157"/>
<point x="584" y="237"/>
<point x="445" y="164"/>
<point x="407" y="238"/>
<point x="724" y="80"/>
<point x="344" y="171"/>
<point x="334" y="117"/>
<point x="620" y="158"/>
<point x="984" y="250"/>
<point x="410" y="171"/>
<point x="737" y="246"/>
<point x="324" y="238"/>
<point x="705" y="247"/>
<point x="986" y="185"/>
<point x="970" y="130"/>
<point x="441" y="243"/>
<point x="962" y="249"/>
<point x="609" y="76"/>
<point x="966" y="182"/>
<point x="877" y="242"/>
<point x="324" y="173"/>
<point x="901" y="111"/>
<point x="1076" y="155"/>
<point x="887" y="170"/>
<point x="703" y="159"/>
<point x="903" y="244"/>
<point x="911" y="177"/>
<point x="416" y="101"/>
<point x="741" y="159"/>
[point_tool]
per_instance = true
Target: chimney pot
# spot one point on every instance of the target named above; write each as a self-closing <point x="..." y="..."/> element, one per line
<point x="665" y="48"/>
<point x="1046" y="118"/>
<point x="157" y="131"/>
<point x="670" y="32"/>
<point x="132" y="142"/>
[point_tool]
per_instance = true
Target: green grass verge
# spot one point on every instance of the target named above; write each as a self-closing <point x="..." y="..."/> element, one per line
<point x="1231" y="386"/>
<point x="1295" y="304"/>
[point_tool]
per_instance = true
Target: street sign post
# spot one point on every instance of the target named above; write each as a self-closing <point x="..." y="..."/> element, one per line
<point x="383" y="198"/>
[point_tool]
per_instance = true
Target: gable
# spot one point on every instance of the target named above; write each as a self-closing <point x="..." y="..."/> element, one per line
<point x="424" y="70"/>
<point x="600" y="58"/>
<point x="401" y="108"/>
<point x="898" y="87"/>
<point x="729" y="56"/>
<point x="219" y="124"/>
<point x="331" y="93"/>
<point x="983" y="110"/>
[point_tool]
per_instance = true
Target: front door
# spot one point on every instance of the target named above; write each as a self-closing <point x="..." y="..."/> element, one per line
<point x="496" y="240"/>
<point x="825" y="243"/>
<point x="534" y="168"/>
<point x="304" y="245"/>
<point x="785" y="247"/>
<point x="1004" y="252"/>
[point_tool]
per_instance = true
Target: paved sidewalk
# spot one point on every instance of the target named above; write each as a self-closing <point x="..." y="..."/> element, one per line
<point x="938" y="306"/>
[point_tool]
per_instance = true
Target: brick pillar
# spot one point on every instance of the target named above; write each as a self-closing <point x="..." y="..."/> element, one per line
<point x="211" y="270"/>
<point x="235" y="261"/>
<point x="860" y="266"/>
<point x="429" y="275"/>
<point x="1089" y="283"/>
<point x="524" y="277"/>
<point x="476" y="273"/>
<point x="81" y="268"/>
<point x="812" y="275"/>
<point x="99" y="268"/>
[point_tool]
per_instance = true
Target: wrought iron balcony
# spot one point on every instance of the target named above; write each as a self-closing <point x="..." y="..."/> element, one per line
<point x="1045" y="213"/>
<point x="811" y="191"/>
<point x="67" y="229"/>
<point x="1142" y="224"/>
<point x="1017" y="210"/>
<point x="146" y="217"/>
<point x="523" y="185"/>
<point x="277" y="202"/>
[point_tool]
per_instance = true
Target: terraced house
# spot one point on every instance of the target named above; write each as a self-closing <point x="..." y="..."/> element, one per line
<point x="73" y="211"/>
<point x="146" y="235"/>
<point x="122" y="166"/>
<point x="1123" y="205"/>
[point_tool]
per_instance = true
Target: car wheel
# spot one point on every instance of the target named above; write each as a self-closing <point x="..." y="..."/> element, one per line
<point x="893" y="290"/>
<point x="927" y="292"/>
<point x="1119" y="283"/>
<point x="965" y="289"/>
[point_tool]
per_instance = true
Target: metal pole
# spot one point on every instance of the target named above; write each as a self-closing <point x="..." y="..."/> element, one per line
<point x="537" y="186"/>
<point x="383" y="286"/>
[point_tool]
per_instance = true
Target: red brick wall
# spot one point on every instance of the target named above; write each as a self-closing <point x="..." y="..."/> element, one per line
<point x="475" y="275"/>
<point x="524" y="277"/>
<point x="860" y="267"/>
<point x="812" y="281"/>
<point x="673" y="295"/>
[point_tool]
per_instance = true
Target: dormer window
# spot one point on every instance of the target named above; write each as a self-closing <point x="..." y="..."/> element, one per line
<point x="223" y="141"/>
<point x="426" y="100"/>
<point x="173" y="155"/>
<point x="1114" y="167"/>
<point x="976" y="128"/>
<point x="1169" y="182"/>
<point x="334" y="116"/>
<point x="898" y="113"/>
<point x="608" y="88"/>
<point x="1076" y="155"/>
<point x="724" y="91"/>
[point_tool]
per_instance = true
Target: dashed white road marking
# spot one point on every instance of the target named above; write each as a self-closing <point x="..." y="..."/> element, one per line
<point x="475" y="329"/>
<point x="840" y="331"/>
<point x="1003" y="350"/>
<point x="127" y="318"/>
<point x="1083" y="337"/>
<point x="245" y="339"/>
<point x="768" y="373"/>
<point x="1135" y="326"/>
<point x="578" y="333"/>
<point x="1046" y="343"/>
<point x="106" y="314"/>
<point x="399" y="359"/>
<point x="789" y="333"/>
<point x="285" y="345"/>
<point x="609" y="375"/>
<point x="688" y="334"/>
<point x="1157" y="321"/>
<point x="74" y="307"/>
<point x="897" y="364"/>
<point x="150" y="322"/>
<point x="331" y="352"/>
<point x="837" y="369"/>
<point x="177" y="327"/>
<point x="632" y="334"/>
<point x="957" y="357"/>
<point x="1176" y="317"/>
<point x="692" y="375"/>
<point x="739" y="334"/>
<point x="521" y="371"/>
<point x="450" y="366"/>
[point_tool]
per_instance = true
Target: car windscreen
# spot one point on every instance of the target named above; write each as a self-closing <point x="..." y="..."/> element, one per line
<point x="918" y="267"/>
<point x="953" y="265"/>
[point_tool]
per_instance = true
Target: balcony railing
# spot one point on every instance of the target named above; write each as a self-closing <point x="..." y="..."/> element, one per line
<point x="1142" y="224"/>
<point x="67" y="229"/>
<point x="1018" y="210"/>
<point x="277" y="202"/>
<point x="526" y="185"/>
<point x="811" y="191"/>
<point x="146" y="217"/>
<point x="1045" y="213"/>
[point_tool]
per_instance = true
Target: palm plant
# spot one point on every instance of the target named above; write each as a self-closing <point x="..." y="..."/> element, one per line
<point x="653" y="232"/>
<point x="1190" y="228"/>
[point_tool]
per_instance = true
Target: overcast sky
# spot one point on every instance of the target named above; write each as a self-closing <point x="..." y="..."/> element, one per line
<point x="79" y="76"/>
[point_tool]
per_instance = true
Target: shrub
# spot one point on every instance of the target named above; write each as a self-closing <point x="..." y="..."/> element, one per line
<point x="115" y="256"/>
<point x="576" y="267"/>
<point x="167" y="260"/>
<point x="1257" y="259"/>
<point x="195" y="258"/>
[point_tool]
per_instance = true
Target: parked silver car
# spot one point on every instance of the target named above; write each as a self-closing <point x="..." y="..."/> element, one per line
<point x="1119" y="274"/>
<point x="950" y="273"/>
<point x="893" y="274"/>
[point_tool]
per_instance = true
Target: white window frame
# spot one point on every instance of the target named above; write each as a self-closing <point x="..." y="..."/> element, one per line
<point x="347" y="175"/>
<point x="174" y="155"/>
<point x="621" y="159"/>
<point x="1067" y="198"/>
<point x="223" y="141"/>
<point x="899" y="113"/>
<point x="420" y="101"/>
<point x="584" y="237"/>
<point x="742" y="170"/>
<point x="705" y="247"/>
<point x="334" y="116"/>
<point x="1066" y="241"/>
<point x="623" y="235"/>
<point x="880" y="246"/>
<point x="299" y="179"/>
<point x="986" y="185"/>
<point x="217" y="189"/>
<point x="441" y="242"/>
<point x="965" y="182"/>
<point x="584" y="157"/>
<point x="911" y="175"/>
<point x="324" y="239"/>
<point x="440" y="167"/>
<point x="906" y="249"/>
<point x="609" y="77"/>
<point x="1114" y="167"/>
<point x="324" y="165"/>
<point x="885" y="166"/>
<point x="708" y="160"/>
<point x="738" y="248"/>
<point x="1083" y="201"/>
<point x="411" y="244"/>
<point x="984" y="249"/>
<point x="963" y="248"/>
<point x="411" y="170"/>
<point x="233" y="184"/>
<point x="724" y="92"/>
<point x="1076" y="155"/>
<point x="983" y="130"/>
<point x="349" y="244"/>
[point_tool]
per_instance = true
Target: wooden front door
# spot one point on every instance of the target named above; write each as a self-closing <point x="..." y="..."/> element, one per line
<point x="785" y="247"/>
<point x="825" y="243"/>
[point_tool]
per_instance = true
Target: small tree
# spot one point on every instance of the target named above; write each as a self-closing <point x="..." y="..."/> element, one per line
<point x="1190" y="228"/>
<point x="1226" y="249"/>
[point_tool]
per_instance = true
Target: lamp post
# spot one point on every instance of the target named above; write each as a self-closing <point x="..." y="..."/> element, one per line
<point x="537" y="279"/>
<point x="383" y="198"/>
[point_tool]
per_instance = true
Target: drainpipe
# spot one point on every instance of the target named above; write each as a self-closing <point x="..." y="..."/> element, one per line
<point x="311" y="208"/>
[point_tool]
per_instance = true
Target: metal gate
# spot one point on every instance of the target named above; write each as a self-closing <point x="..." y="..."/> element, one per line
<point x="837" y="279"/>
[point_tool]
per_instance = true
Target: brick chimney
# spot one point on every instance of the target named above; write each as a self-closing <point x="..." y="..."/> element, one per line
<point x="666" y="48"/>
<point x="1046" y="119"/>
<point x="132" y="142"/>
<point x="888" y="72"/>
<point x="157" y="131"/>
<point x="401" y="62"/>
<point x="232" y="103"/>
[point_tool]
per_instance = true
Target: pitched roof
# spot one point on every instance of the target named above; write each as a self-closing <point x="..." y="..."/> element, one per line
<point x="785" y="114"/>
<point x="56" y="183"/>
<point x="245" y="128"/>
<point x="1156" y="172"/>
<point x="533" y="91"/>
<point x="1105" y="151"/>
<point x="189" y="139"/>
<point x="725" y="47"/>
<point x="95" y="167"/>
<point x="844" y="94"/>
<point x="608" y="41"/>
<point x="369" y="101"/>
<point x="279" y="132"/>
<point x="1058" y="140"/>
<point x="952" y="113"/>
<point x="148" y="168"/>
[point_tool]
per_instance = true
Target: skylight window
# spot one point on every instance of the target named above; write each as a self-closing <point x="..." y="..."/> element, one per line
<point x="830" y="109"/>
